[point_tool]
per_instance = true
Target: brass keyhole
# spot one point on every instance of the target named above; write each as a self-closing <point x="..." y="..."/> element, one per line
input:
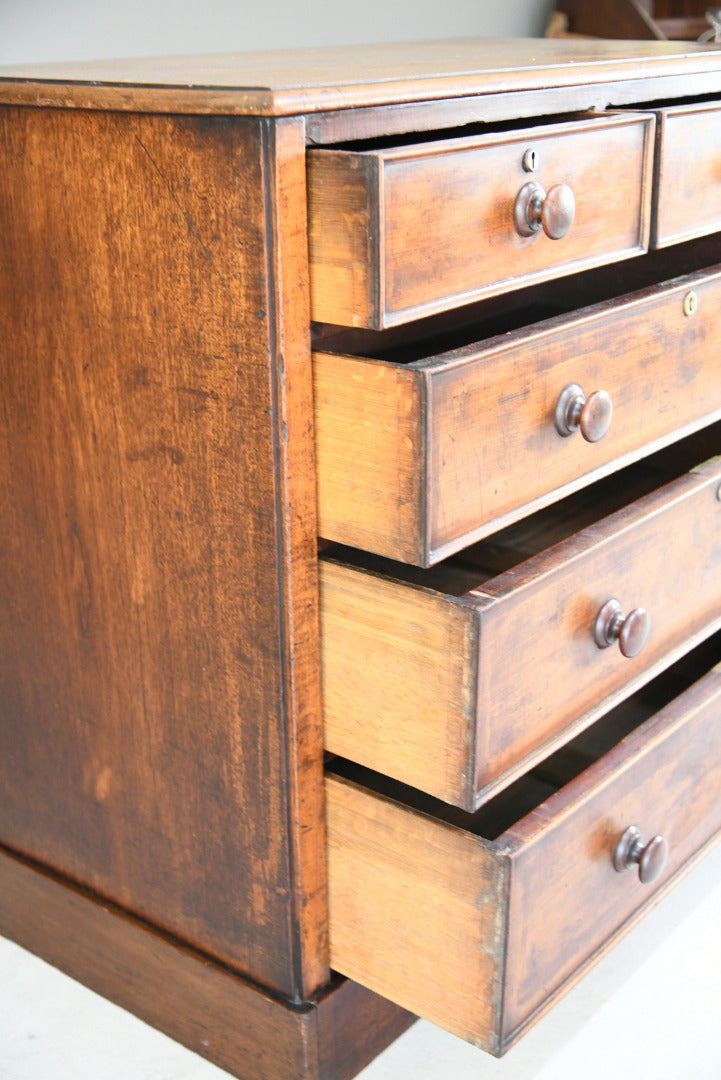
<point x="530" y="160"/>
<point x="690" y="303"/>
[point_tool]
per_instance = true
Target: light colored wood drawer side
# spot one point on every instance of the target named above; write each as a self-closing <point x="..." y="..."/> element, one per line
<point x="480" y="935"/>
<point x="418" y="460"/>
<point x="398" y="233"/>
<point x="688" y="174"/>
<point x="458" y="692"/>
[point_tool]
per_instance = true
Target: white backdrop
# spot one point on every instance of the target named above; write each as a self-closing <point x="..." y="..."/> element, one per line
<point x="33" y="30"/>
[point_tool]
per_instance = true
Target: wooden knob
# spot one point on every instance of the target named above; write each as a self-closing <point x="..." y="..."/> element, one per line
<point x="630" y="631"/>
<point x="552" y="211"/>
<point x="592" y="415"/>
<point x="650" y="858"/>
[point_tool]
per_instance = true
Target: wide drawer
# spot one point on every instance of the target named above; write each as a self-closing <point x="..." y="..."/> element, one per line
<point x="454" y="680"/>
<point x="418" y="459"/>
<point x="479" y="922"/>
<point x="688" y="173"/>
<point x="399" y="232"/>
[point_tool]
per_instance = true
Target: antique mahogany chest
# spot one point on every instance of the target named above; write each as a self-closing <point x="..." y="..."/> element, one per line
<point x="361" y="529"/>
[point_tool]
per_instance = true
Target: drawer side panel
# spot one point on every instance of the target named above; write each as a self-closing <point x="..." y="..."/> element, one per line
<point x="370" y="449"/>
<point x="417" y="911"/>
<point x="399" y="679"/>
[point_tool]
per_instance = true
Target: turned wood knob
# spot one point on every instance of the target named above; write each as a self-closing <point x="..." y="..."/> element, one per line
<point x="552" y="211"/>
<point x="630" y="631"/>
<point x="591" y="415"/>
<point x="650" y="858"/>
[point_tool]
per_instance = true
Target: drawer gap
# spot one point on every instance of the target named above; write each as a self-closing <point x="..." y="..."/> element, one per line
<point x="461" y="327"/>
<point x="448" y="135"/>
<point x="473" y="567"/>
<point x="504" y="810"/>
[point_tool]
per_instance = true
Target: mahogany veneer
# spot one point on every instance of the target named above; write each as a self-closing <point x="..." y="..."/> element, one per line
<point x="174" y="236"/>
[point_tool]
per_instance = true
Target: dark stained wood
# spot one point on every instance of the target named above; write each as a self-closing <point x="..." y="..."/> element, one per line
<point x="456" y="680"/>
<point x="199" y="1003"/>
<point x="612" y="19"/>
<point x="289" y="320"/>
<point x="508" y="922"/>
<point x="161" y="790"/>
<point x="418" y="459"/>
<point x="380" y="218"/>
<point x="146" y="679"/>
<point x="354" y="1026"/>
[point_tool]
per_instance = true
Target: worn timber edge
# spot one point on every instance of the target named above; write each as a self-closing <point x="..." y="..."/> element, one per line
<point x="509" y="1038"/>
<point x="287" y="82"/>
<point x="196" y="1001"/>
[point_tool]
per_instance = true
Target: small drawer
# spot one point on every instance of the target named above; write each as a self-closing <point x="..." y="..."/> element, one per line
<point x="455" y="680"/>
<point x="688" y="174"/>
<point x="478" y="922"/>
<point x="419" y="458"/>
<point x="396" y="233"/>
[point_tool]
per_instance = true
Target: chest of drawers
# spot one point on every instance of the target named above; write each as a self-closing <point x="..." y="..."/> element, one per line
<point x="451" y="308"/>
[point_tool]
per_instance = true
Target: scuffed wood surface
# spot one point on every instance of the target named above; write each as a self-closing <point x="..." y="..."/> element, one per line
<point x="148" y="696"/>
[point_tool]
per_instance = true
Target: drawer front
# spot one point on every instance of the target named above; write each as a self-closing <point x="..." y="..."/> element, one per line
<point x="399" y="233"/>
<point x="458" y="694"/>
<point x="480" y="936"/>
<point x="416" y="461"/>
<point x="688" y="171"/>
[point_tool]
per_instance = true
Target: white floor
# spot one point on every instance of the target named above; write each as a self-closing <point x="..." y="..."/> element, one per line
<point x="651" y="1010"/>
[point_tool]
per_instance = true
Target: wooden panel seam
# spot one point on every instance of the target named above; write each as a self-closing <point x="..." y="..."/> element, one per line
<point x="283" y="144"/>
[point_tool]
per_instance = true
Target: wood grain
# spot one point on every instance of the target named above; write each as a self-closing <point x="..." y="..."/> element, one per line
<point x="688" y="168"/>
<point x="399" y="678"/>
<point x="291" y="81"/>
<point x="199" y="1003"/>
<point x="478" y="935"/>
<point x="416" y="911"/>
<point x="665" y="779"/>
<point x="449" y="205"/>
<point x="289" y="320"/>
<point x="418" y="460"/>
<point x="158" y="591"/>
<point x="409" y="672"/>
<point x="372" y="450"/>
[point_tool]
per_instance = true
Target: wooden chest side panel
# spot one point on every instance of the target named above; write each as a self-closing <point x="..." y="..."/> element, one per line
<point x="143" y="749"/>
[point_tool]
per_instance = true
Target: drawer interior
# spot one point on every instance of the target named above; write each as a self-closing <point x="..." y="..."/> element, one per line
<point x="549" y="776"/>
<point x="478" y="921"/>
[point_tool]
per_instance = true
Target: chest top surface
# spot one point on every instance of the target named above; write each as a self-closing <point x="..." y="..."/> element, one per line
<point x="286" y="82"/>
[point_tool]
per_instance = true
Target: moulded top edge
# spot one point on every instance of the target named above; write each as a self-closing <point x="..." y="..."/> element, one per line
<point x="294" y="81"/>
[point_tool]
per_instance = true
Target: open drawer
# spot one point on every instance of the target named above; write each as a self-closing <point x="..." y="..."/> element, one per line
<point x="399" y="232"/>
<point x="477" y="922"/>
<point x="421" y="453"/>
<point x="456" y="679"/>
